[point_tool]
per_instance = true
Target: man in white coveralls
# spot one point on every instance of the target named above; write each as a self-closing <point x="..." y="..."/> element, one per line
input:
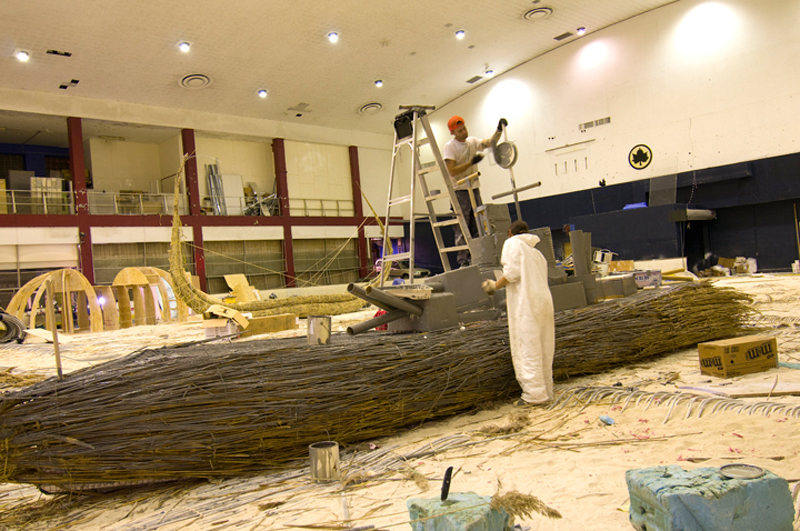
<point x="531" y="322"/>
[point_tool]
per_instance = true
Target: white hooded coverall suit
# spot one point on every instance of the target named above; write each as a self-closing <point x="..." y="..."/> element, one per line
<point x="531" y="324"/>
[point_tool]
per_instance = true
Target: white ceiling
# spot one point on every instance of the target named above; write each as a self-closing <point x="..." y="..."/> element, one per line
<point x="126" y="51"/>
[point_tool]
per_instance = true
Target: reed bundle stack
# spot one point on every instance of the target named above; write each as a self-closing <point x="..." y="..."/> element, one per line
<point x="218" y="410"/>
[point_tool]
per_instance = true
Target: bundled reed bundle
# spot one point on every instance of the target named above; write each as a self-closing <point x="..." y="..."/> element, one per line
<point x="215" y="410"/>
<point x="599" y="337"/>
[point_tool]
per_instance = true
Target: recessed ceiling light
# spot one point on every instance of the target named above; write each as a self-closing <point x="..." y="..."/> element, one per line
<point x="262" y="93"/>
<point x="488" y="71"/>
<point x="460" y="34"/>
<point x="333" y="36"/>
<point x="378" y="83"/>
<point x="22" y="55"/>
<point x="184" y="46"/>
<point x="581" y="30"/>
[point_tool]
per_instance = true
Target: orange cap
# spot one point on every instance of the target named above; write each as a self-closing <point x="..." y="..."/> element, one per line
<point x="454" y="123"/>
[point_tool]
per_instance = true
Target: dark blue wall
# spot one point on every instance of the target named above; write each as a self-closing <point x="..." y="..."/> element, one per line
<point x="754" y="201"/>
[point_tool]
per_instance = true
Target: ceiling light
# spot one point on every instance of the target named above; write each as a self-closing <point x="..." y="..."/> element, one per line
<point x="184" y="46"/>
<point x="22" y="55"/>
<point x="333" y="36"/>
<point x="581" y="30"/>
<point x="262" y="93"/>
<point x="379" y="83"/>
<point x="460" y="34"/>
<point x="488" y="71"/>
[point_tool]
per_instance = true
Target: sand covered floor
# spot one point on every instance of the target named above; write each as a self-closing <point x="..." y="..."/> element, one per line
<point x="564" y="456"/>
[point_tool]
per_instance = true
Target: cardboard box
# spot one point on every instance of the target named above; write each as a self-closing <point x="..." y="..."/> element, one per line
<point x="647" y="279"/>
<point x="219" y="328"/>
<point x="270" y="323"/>
<point x="727" y="358"/>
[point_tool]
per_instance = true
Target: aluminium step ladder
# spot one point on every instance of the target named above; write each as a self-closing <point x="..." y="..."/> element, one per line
<point x="408" y="127"/>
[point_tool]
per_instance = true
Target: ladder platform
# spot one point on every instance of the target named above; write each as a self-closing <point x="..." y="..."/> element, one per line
<point x="445" y="223"/>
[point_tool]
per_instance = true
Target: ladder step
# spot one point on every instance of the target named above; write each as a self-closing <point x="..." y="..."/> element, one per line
<point x="423" y="141"/>
<point x="445" y="223"/>
<point x="455" y="248"/>
<point x="428" y="168"/>
<point x="398" y="256"/>
<point x="440" y="195"/>
<point x="400" y="200"/>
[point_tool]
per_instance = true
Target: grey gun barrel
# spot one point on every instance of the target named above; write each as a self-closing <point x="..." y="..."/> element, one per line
<point x="394" y="302"/>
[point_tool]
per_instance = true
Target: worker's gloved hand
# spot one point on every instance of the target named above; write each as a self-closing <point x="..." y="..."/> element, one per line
<point x="501" y="124"/>
<point x="477" y="158"/>
<point x="489" y="286"/>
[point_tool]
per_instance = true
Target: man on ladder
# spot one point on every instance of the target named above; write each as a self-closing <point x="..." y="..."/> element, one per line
<point x="461" y="155"/>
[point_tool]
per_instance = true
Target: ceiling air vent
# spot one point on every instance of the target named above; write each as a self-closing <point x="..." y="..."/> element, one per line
<point x="563" y="36"/>
<point x="195" y="81"/>
<point x="369" y="108"/>
<point x="474" y="79"/>
<point x="537" y="13"/>
<point x="603" y="121"/>
<point x="62" y="54"/>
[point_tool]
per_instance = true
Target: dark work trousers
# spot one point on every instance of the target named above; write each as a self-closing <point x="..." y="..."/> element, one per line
<point x="464" y="257"/>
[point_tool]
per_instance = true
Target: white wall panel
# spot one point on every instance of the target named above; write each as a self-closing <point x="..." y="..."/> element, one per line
<point x="374" y="231"/>
<point x="323" y="232"/>
<point x="118" y="165"/>
<point x="39" y="235"/>
<point x="101" y="235"/>
<point x="221" y="234"/>
<point x="318" y="171"/>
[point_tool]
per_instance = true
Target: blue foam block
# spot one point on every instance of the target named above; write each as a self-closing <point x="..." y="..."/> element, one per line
<point x="462" y="511"/>
<point x="669" y="498"/>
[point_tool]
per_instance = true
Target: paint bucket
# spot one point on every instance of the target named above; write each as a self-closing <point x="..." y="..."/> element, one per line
<point x="796" y="266"/>
<point x="319" y="329"/>
<point x="324" y="460"/>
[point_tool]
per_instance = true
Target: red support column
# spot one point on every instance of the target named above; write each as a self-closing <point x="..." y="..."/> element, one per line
<point x="282" y="185"/>
<point x="190" y="167"/>
<point x="77" y="166"/>
<point x="195" y="213"/>
<point x="355" y="178"/>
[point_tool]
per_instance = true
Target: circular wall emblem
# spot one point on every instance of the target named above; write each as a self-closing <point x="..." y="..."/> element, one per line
<point x="640" y="156"/>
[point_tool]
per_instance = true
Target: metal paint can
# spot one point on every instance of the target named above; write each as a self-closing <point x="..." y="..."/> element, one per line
<point x="319" y="329"/>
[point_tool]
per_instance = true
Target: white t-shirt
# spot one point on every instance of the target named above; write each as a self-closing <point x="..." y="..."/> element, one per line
<point x="461" y="152"/>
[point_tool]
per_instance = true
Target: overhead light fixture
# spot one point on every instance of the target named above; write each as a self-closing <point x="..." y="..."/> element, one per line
<point x="22" y="55"/>
<point x="488" y="71"/>
<point x="581" y="30"/>
<point x="333" y="36"/>
<point x="460" y="34"/>
<point x="379" y="83"/>
<point x="262" y="93"/>
<point x="184" y="46"/>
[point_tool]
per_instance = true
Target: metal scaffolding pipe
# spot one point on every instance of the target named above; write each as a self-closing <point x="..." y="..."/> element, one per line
<point x="361" y="294"/>
<point x="393" y="315"/>
<point x="394" y="302"/>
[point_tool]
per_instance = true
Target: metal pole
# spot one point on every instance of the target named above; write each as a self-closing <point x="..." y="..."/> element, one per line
<point x="796" y="228"/>
<point x="513" y="181"/>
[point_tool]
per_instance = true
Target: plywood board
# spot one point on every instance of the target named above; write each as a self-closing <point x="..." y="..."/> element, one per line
<point x="749" y="390"/>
